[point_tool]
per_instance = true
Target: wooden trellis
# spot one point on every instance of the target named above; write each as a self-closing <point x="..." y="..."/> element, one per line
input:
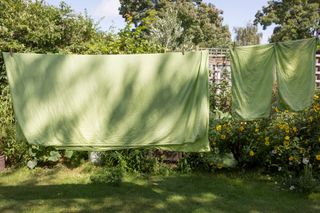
<point x="318" y="70"/>
<point x="219" y="65"/>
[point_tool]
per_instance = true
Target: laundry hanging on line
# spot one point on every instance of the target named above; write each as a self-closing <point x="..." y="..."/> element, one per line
<point x="255" y="68"/>
<point x="110" y="102"/>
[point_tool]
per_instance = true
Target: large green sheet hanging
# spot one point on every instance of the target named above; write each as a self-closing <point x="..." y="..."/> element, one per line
<point x="109" y="102"/>
<point x="252" y="76"/>
<point x="296" y="73"/>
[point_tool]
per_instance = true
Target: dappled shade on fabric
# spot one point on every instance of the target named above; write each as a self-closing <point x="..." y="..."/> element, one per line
<point x="109" y="102"/>
<point x="254" y="69"/>
<point x="252" y="76"/>
<point x="296" y="73"/>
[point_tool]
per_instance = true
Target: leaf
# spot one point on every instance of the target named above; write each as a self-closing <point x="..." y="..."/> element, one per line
<point x="68" y="154"/>
<point x="32" y="163"/>
<point x="54" y="156"/>
<point x="31" y="153"/>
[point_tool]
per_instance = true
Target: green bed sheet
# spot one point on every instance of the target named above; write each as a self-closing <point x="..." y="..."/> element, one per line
<point x="256" y="68"/>
<point x="110" y="102"/>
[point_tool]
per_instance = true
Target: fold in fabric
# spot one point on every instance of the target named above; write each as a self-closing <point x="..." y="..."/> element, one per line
<point x="253" y="68"/>
<point x="252" y="76"/>
<point x="296" y="73"/>
<point x="110" y="102"/>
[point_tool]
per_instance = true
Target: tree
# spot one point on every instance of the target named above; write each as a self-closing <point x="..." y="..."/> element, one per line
<point x="136" y="10"/>
<point x="167" y="30"/>
<point x="247" y="35"/>
<point x="295" y="19"/>
<point x="33" y="26"/>
<point x="201" y="22"/>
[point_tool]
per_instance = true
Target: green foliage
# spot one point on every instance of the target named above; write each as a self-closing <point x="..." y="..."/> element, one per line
<point x="15" y="152"/>
<point x="136" y="11"/>
<point x="200" y="22"/>
<point x="33" y="26"/>
<point x="37" y="27"/>
<point x="142" y="161"/>
<point x="294" y="19"/>
<point x="285" y="143"/>
<point x="68" y="154"/>
<point x="305" y="182"/>
<point x="220" y="94"/>
<point x="167" y="30"/>
<point x="112" y="176"/>
<point x="247" y="35"/>
<point x="54" y="156"/>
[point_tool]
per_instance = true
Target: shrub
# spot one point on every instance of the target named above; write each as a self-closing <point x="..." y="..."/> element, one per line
<point x="143" y="161"/>
<point x="15" y="152"/>
<point x="284" y="143"/>
<point x="108" y="175"/>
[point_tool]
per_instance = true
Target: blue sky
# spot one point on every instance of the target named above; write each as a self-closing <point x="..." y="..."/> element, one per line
<point x="235" y="12"/>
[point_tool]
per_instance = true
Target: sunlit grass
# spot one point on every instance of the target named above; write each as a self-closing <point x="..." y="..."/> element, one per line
<point x="69" y="190"/>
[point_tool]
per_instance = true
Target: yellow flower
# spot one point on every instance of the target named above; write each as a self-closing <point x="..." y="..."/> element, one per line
<point x="287" y="130"/>
<point x="218" y="127"/>
<point x="318" y="156"/>
<point x="287" y="138"/>
<point x="316" y="97"/>
<point x="291" y="158"/>
<point x="251" y="153"/>
<point x="223" y="137"/>
<point x="316" y="107"/>
<point x="241" y="128"/>
<point x="267" y="143"/>
<point x="266" y="138"/>
<point x="277" y="109"/>
<point x="310" y="119"/>
<point x="286" y="111"/>
<point x="256" y="130"/>
<point x="294" y="129"/>
<point x="220" y="165"/>
<point x="301" y="150"/>
<point x="286" y="143"/>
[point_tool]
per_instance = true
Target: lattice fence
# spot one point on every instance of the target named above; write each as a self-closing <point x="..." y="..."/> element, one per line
<point x="318" y="70"/>
<point x="219" y="65"/>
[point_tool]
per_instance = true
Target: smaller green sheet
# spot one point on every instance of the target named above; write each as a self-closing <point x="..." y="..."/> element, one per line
<point x="296" y="73"/>
<point x="252" y="70"/>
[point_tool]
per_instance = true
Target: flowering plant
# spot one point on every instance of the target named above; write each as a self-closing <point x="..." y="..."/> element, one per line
<point x="285" y="142"/>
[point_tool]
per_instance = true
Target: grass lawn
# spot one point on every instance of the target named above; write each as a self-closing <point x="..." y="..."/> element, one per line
<point x="64" y="190"/>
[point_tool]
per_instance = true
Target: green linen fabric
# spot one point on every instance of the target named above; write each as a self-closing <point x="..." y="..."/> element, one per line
<point x="254" y="69"/>
<point x="252" y="76"/>
<point x="109" y="102"/>
<point x="296" y="73"/>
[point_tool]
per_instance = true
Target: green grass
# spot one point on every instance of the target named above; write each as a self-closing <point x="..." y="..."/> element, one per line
<point x="64" y="190"/>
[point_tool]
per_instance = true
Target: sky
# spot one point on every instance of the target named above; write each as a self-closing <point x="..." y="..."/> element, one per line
<point x="236" y="13"/>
